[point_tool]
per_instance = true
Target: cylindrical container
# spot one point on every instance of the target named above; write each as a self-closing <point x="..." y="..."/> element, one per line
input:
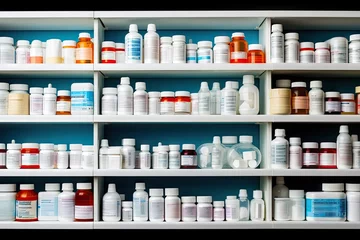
<point x="188" y="157"/>
<point x="172" y="205"/>
<point x="238" y="48"/>
<point x="182" y="103"/>
<point x="221" y="49"/>
<point x="297" y="205"/>
<point x="43" y="45"/>
<point x="63" y="102"/>
<point x="167" y="103"/>
<point x="75" y="156"/>
<point x="2" y="156"/>
<point x="280" y="101"/>
<point x="23" y="52"/>
<point x="84" y="49"/>
<point x="156" y="205"/>
<point x="109" y="101"/>
<point x="354" y="48"/>
<point x="13" y="155"/>
<point x="256" y="54"/>
<point x="36" y="101"/>
<point x="166" y="50"/>
<point x="356" y="154"/>
<point x="26" y="204"/>
<point x="7" y="200"/>
<point x="120" y="52"/>
<point x="292" y="47"/>
<point x="108" y="52"/>
<point x="179" y="49"/>
<point x="84" y="203"/>
<point x="62" y="157"/>
<point x="296" y="154"/>
<point x="162" y="157"/>
<point x="154" y="103"/>
<point x="204" y="209"/>
<point x="339" y="49"/>
<point x="36" y="53"/>
<point x="69" y="51"/>
<point x="327" y="155"/>
<point x="114" y="158"/>
<point x="66" y="203"/>
<point x="322" y="52"/>
<point x="188" y="212"/>
<point x="332" y="103"/>
<point x="49" y="104"/>
<point x="219" y="212"/>
<point x="282" y="209"/>
<point x="277" y="43"/>
<point x="127" y="211"/>
<point x="47" y="156"/>
<point x="299" y="98"/>
<point x="174" y="156"/>
<point x="191" y="54"/>
<point x="357" y="91"/>
<point x="53" y="51"/>
<point x="310" y="155"/>
<point x="82" y="99"/>
<point x="353" y="202"/>
<point x="204" y="52"/>
<point x="307" y="52"/>
<point x="87" y="158"/>
<point x="348" y="103"/>
<point x="7" y="50"/>
<point x="18" y="103"/>
<point x="194" y="104"/>
<point x="4" y="96"/>
<point x="30" y="155"/>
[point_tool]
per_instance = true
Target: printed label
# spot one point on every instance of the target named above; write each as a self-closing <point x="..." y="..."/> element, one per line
<point x="7" y="210"/>
<point x="344" y="154"/>
<point x="129" y="159"/>
<point x="172" y="210"/>
<point x="325" y="208"/>
<point x="291" y="52"/>
<point x="167" y="108"/>
<point x="348" y="107"/>
<point x="7" y="56"/>
<point x="277" y="47"/>
<point x="188" y="160"/>
<point x="279" y="154"/>
<point x="28" y="159"/>
<point x="216" y="157"/>
<point x="356" y="158"/>
<point x="67" y="207"/>
<point x="26" y="209"/>
<point x="305" y="58"/>
<point x="316" y="102"/>
<point x="151" y="49"/>
<point x="338" y="54"/>
<point x="133" y="49"/>
<point x="205" y="212"/>
<point x="82" y="101"/>
<point x="218" y="214"/>
<point x="182" y="107"/>
<point x="47" y="160"/>
<point x="22" y="57"/>
<point x="163" y="159"/>
<point x="13" y="160"/>
<point x="179" y="53"/>
<point x="191" y="59"/>
<point x="189" y="211"/>
<point x="311" y="159"/>
<point x="87" y="161"/>
<point x="111" y="208"/>
<point x="166" y="53"/>
<point x="228" y="103"/>
<point x="298" y="103"/>
<point x="354" y="55"/>
<point x="231" y="213"/>
<point x="48" y="207"/>
<point x="204" y="103"/>
<point x="84" y="212"/>
<point x="333" y="106"/>
<point x="140" y="104"/>
<point x="145" y="160"/>
<point x="247" y="100"/>
<point x="140" y="207"/>
<point x="36" y="105"/>
<point x="127" y="215"/>
<point x="108" y="55"/>
<point x="113" y="162"/>
<point x="4" y="105"/>
<point x="328" y="159"/>
<point x="221" y="55"/>
<point x="83" y="54"/>
<point x="125" y="103"/>
<point x="49" y="106"/>
<point x="120" y="56"/>
<point x="204" y="59"/>
<point x="156" y="210"/>
<point x="295" y="158"/>
<point x="75" y="160"/>
<point x="238" y="55"/>
<point x="63" y="106"/>
<point x="154" y="106"/>
<point x="69" y="55"/>
<point x="174" y="160"/>
<point x="322" y="58"/>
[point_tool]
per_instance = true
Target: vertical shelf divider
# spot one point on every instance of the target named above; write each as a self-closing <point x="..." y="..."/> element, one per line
<point x="264" y="37"/>
<point x="99" y="32"/>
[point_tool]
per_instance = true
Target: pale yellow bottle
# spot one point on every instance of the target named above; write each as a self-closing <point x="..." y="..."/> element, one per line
<point x="18" y="99"/>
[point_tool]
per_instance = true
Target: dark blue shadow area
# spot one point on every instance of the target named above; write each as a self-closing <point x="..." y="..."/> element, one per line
<point x="177" y="133"/>
<point x="40" y="181"/>
<point x="251" y="36"/>
<point x="217" y="187"/>
<point x="47" y="133"/>
<point x="58" y="83"/>
<point x="320" y="35"/>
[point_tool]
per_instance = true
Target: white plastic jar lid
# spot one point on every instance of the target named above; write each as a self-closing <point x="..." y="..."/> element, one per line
<point x="178" y="38"/>
<point x="109" y="90"/>
<point x="36" y="44"/>
<point x="84" y="35"/>
<point x="246" y="139"/>
<point x="296" y="193"/>
<point x="87" y="148"/>
<point x="283" y="83"/>
<point x="188" y="146"/>
<point x="36" y="90"/>
<point x="311" y="145"/>
<point x="64" y="93"/>
<point x="145" y="147"/>
<point x="156" y="192"/>
<point x="188" y="199"/>
<point x="298" y="84"/>
<point x="306" y="45"/>
<point x="19" y="87"/>
<point x="356" y="144"/>
<point x="333" y="187"/>
<point x="62" y="147"/>
<point x="237" y="34"/>
<point x="352" y="187"/>
<point x="27" y="187"/>
<point x="218" y="203"/>
<point x="191" y="46"/>
<point x="319" y="45"/>
<point x="154" y="94"/>
<point x="30" y="145"/>
<point x="332" y="94"/>
<point x="165" y="39"/>
<point x="255" y="47"/>
<point x="128" y="142"/>
<point x="205" y="44"/>
<point x="182" y="94"/>
<point x="120" y="45"/>
<point x="2" y="146"/>
<point x="84" y="186"/>
<point x="295" y="141"/>
<point x="46" y="146"/>
<point x="76" y="147"/>
<point x="194" y="95"/>
<point x="126" y="204"/>
<point x="291" y="36"/>
<point x="316" y="84"/>
<point x="7" y="187"/>
<point x="6" y="40"/>
<point x="108" y="44"/>
<point x="174" y="147"/>
<point x="23" y="43"/>
<point x="354" y="37"/>
<point x="328" y="145"/>
<point x="163" y="148"/>
<point x="276" y="28"/>
<point x="4" y="86"/>
<point x="349" y="96"/>
<point x="69" y="43"/>
<point x="204" y="199"/>
<point x="167" y="94"/>
<point x="229" y="139"/>
<point x="52" y="186"/>
<point x="113" y="151"/>
<point x="221" y="39"/>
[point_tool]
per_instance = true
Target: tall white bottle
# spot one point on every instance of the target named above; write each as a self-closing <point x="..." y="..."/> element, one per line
<point x="344" y="148"/>
<point x="218" y="154"/>
<point x="204" y="99"/>
<point x="280" y="150"/>
<point x="111" y="205"/>
<point x="257" y="206"/>
<point x="277" y="44"/>
<point x="141" y="99"/>
<point x="316" y="99"/>
<point x="151" y="45"/>
<point x="140" y="203"/>
<point x="133" y="45"/>
<point x="228" y="99"/>
<point x="215" y="102"/>
<point x="125" y="97"/>
<point x="66" y="203"/>
<point x="249" y="97"/>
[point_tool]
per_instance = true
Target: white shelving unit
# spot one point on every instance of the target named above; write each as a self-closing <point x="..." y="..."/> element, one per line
<point x="98" y="22"/>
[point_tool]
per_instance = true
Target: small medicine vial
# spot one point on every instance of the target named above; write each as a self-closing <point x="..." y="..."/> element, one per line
<point x="307" y="52"/>
<point x="128" y="152"/>
<point x="156" y="205"/>
<point x="205" y="52"/>
<point x="322" y="52"/>
<point x="221" y="49"/>
<point x="310" y="155"/>
<point x="75" y="156"/>
<point x="296" y="154"/>
<point x="182" y="103"/>
<point x="347" y="103"/>
<point x="154" y="103"/>
<point x="84" y="203"/>
<point x="354" y="48"/>
<point x="204" y="209"/>
<point x="108" y="52"/>
<point x="127" y="211"/>
<point x="4" y="96"/>
<point x="188" y="157"/>
<point x="188" y="209"/>
<point x="316" y="98"/>
<point x="23" y="52"/>
<point x="109" y="101"/>
<point x="30" y="155"/>
<point x="219" y="212"/>
<point x="179" y="49"/>
<point x="145" y="157"/>
<point x="327" y="155"/>
<point x="36" y="53"/>
<point x="167" y="103"/>
<point x="280" y="101"/>
<point x="63" y="102"/>
<point x="13" y="155"/>
<point x="191" y="52"/>
<point x="47" y="156"/>
<point x="69" y="51"/>
<point x="332" y="103"/>
<point x="26" y="204"/>
<point x="257" y="206"/>
<point x="36" y="100"/>
<point x="49" y="105"/>
<point x="174" y="156"/>
<point x="256" y="54"/>
<point x="120" y="52"/>
<point x="166" y="50"/>
<point x="7" y="50"/>
<point x="292" y="47"/>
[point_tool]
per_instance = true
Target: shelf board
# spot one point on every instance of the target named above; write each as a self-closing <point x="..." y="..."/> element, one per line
<point x="183" y="225"/>
<point x="314" y="225"/>
<point x="317" y="172"/>
<point x="47" y="70"/>
<point x="175" y="70"/>
<point x="60" y="119"/>
<point x="46" y="173"/>
<point x="183" y="119"/>
<point x="317" y="118"/>
<point x="46" y="225"/>
<point x="181" y="172"/>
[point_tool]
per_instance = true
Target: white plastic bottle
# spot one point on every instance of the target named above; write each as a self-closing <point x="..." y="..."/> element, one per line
<point x="151" y="45"/>
<point x="249" y="97"/>
<point x="103" y="159"/>
<point x="204" y="99"/>
<point x="257" y="206"/>
<point x="13" y="155"/>
<point x="125" y="97"/>
<point x="316" y="98"/>
<point x="354" y="48"/>
<point x="244" y="205"/>
<point x="280" y="190"/>
<point x="140" y="203"/>
<point x="232" y="206"/>
<point x="172" y="205"/>
<point x="129" y="153"/>
<point x="163" y="157"/>
<point x="235" y="86"/>
<point x="179" y="49"/>
<point x="218" y="154"/>
<point x="145" y="157"/>
<point x="62" y="157"/>
<point x="205" y="52"/>
<point x="174" y="156"/>
<point x="66" y="203"/>
<point x="141" y="99"/>
<point x="279" y="150"/>
<point x="295" y="152"/>
<point x="36" y="100"/>
<point x="221" y="49"/>
<point x="48" y="202"/>
<point x="344" y="156"/>
<point x="277" y="44"/>
<point x="166" y="50"/>
<point x="47" y="156"/>
<point x="49" y="105"/>
<point x="219" y="213"/>
<point x="111" y="205"/>
<point x="133" y="45"/>
<point x="292" y="47"/>
<point x="215" y="101"/>
<point x="228" y="99"/>
<point x="75" y="156"/>
<point x="109" y="101"/>
<point x="23" y="52"/>
<point x="156" y="205"/>
<point x="191" y="52"/>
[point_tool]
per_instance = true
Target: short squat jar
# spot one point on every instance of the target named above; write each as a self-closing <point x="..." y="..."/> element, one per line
<point x="332" y="103"/>
<point x="188" y="158"/>
<point x="310" y="155"/>
<point x="327" y="155"/>
<point x="182" y="103"/>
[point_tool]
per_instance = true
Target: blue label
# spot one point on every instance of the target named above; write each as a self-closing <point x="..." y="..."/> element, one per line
<point x="82" y="100"/>
<point x="325" y="208"/>
<point x="205" y="57"/>
<point x="190" y="58"/>
<point x="133" y="48"/>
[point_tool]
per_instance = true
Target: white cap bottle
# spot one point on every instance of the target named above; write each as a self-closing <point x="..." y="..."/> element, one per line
<point x="111" y="202"/>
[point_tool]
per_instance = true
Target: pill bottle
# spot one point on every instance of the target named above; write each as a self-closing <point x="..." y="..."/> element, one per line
<point x="205" y="52"/>
<point x="338" y="49"/>
<point x="48" y="202"/>
<point x="82" y="99"/>
<point x="30" y="155"/>
<point x="129" y="152"/>
<point x="47" y="156"/>
<point x="154" y="103"/>
<point x="179" y="49"/>
<point x="296" y="154"/>
<point x="232" y="208"/>
<point x="114" y="158"/>
<point x="62" y="157"/>
<point x="194" y="103"/>
<point x="354" y="48"/>
<point x="348" y="104"/>
<point x="299" y="98"/>
<point x="282" y="209"/>
<point x="63" y="102"/>
<point x="43" y="46"/>
<point x="221" y="49"/>
<point x="174" y="156"/>
<point x="172" y="205"/>
<point x="23" y="52"/>
<point x="108" y="52"/>
<point x="353" y="202"/>
<point x="145" y="157"/>
<point x="297" y="205"/>
<point x="188" y="157"/>
<point x="2" y="156"/>
<point x="13" y="155"/>
<point x="167" y="103"/>
<point x="191" y="52"/>
<point x="84" y="203"/>
<point x="26" y="204"/>
<point x="18" y="103"/>
<point x="7" y="50"/>
<point x="204" y="209"/>
<point x="151" y="45"/>
<point x="36" y="53"/>
<point x="7" y="199"/>
<point x="163" y="157"/>
<point x="280" y="101"/>
<point x="219" y="212"/>
<point x="36" y="100"/>
<point x="332" y="103"/>
<point x="279" y="150"/>
<point x="188" y="209"/>
<point x="322" y="52"/>
<point x="316" y="98"/>
<point x="109" y="101"/>
<point x="277" y="43"/>
<point x="75" y="156"/>
<point x="256" y="54"/>
<point x="327" y="155"/>
<point x="66" y="203"/>
<point x="310" y="155"/>
<point x="356" y="154"/>
<point x="307" y="52"/>
<point x="156" y="205"/>
<point x="166" y="50"/>
<point x="87" y="157"/>
<point x="292" y="47"/>
<point x="53" y="51"/>
<point x="182" y="103"/>
<point x="69" y="51"/>
<point x="238" y="48"/>
<point x="84" y="49"/>
<point x="49" y="102"/>
<point x="4" y="97"/>
<point x="127" y="211"/>
<point x="357" y="103"/>
<point x="120" y="52"/>
<point x="141" y="99"/>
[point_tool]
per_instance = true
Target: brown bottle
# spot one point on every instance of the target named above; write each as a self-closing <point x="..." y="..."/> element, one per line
<point x="299" y="98"/>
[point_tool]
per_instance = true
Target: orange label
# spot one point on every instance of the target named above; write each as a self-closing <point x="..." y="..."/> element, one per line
<point x="37" y="59"/>
<point x="300" y="103"/>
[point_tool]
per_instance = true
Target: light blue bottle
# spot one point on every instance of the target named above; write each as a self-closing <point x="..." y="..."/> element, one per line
<point x="244" y="205"/>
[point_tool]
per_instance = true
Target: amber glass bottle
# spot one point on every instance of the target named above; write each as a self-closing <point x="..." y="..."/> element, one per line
<point x="299" y="98"/>
<point x="84" y="49"/>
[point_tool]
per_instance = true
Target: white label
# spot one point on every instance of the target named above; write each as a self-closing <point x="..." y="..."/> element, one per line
<point x="228" y="102"/>
<point x="26" y="209"/>
<point x="322" y="57"/>
<point x="179" y="53"/>
<point x="22" y="56"/>
<point x="7" y="56"/>
<point x="189" y="211"/>
<point x="48" y="207"/>
<point x="316" y="103"/>
<point x="332" y="106"/>
<point x="348" y="107"/>
<point x="140" y="207"/>
<point x="111" y="208"/>
<point x="167" y="108"/>
<point x="311" y="159"/>
<point x="4" y="105"/>
<point x="75" y="160"/>
<point x="84" y="212"/>
<point x="219" y="214"/>
<point x="154" y="106"/>
<point x="108" y="55"/>
<point x="83" y="54"/>
<point x="231" y="213"/>
<point x="238" y="55"/>
<point x="172" y="209"/>
<point x="109" y="105"/>
<point x="2" y="159"/>
<point x="279" y="154"/>
<point x="327" y="159"/>
<point x="28" y="159"/>
<point x="216" y="157"/>
<point x="151" y="49"/>
<point x="7" y="210"/>
<point x="13" y="160"/>
<point x="141" y="104"/>
<point x="291" y="52"/>
<point x="145" y="160"/>
<point x="174" y="160"/>
<point x="344" y="154"/>
<point x="354" y="55"/>
<point x="356" y="158"/>
<point x="295" y="158"/>
<point x="307" y="58"/>
<point x="67" y="207"/>
<point x="166" y="54"/>
<point x="205" y="56"/>
<point x="277" y="47"/>
<point x="163" y="160"/>
<point x="49" y="107"/>
<point x="338" y="54"/>
<point x="69" y="55"/>
<point x="120" y="56"/>
<point x="63" y="106"/>
<point x="182" y="107"/>
<point x="125" y="103"/>
<point x="127" y="215"/>
<point x="47" y="159"/>
<point x="221" y="55"/>
<point x="204" y="103"/>
<point x="129" y="159"/>
<point x="87" y="161"/>
<point x="205" y="212"/>
<point x="133" y="47"/>
<point x="63" y="160"/>
<point x="156" y="210"/>
<point x="36" y="105"/>
<point x="188" y="160"/>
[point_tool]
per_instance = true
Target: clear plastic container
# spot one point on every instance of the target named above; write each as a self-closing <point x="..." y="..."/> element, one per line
<point x="204" y="153"/>
<point x="244" y="154"/>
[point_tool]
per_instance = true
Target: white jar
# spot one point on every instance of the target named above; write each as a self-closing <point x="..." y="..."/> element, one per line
<point x="232" y="206"/>
<point x="109" y="101"/>
<point x="292" y="47"/>
<point x="4" y="97"/>
<point x="108" y="55"/>
<point x="141" y="99"/>
<point x="66" y="203"/>
<point x="48" y="202"/>
<point x="114" y="158"/>
<point x="354" y="48"/>
<point x="172" y="205"/>
<point x="221" y="49"/>
<point x="297" y="205"/>
<point x="154" y="103"/>
<point x="166" y="50"/>
<point x="7" y="200"/>
<point x="194" y="103"/>
<point x="127" y="211"/>
<point x="353" y="202"/>
<point x="145" y="157"/>
<point x="13" y="155"/>
<point x="69" y="51"/>
<point x="179" y="49"/>
<point x="23" y="52"/>
<point x="36" y="100"/>
<point x="316" y="98"/>
<point x="167" y="108"/>
<point x="7" y="50"/>
<point x="120" y="52"/>
<point x="188" y="209"/>
<point x="295" y="160"/>
<point x="307" y="53"/>
<point x="204" y="209"/>
<point x="174" y="156"/>
<point x="219" y="212"/>
<point x="191" y="53"/>
<point x="322" y="52"/>
<point x="47" y="156"/>
<point x="156" y="205"/>
<point x="281" y="209"/>
<point x="87" y="158"/>
<point x="129" y="153"/>
<point x="62" y="157"/>
<point x="75" y="156"/>
<point x="18" y="102"/>
<point x="205" y="52"/>
<point x="49" y="104"/>
<point x="338" y="49"/>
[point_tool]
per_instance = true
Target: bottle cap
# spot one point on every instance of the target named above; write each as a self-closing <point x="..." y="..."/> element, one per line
<point x="30" y="145"/>
<point x="2" y="146"/>
<point x="332" y="94"/>
<point x="316" y="84"/>
<point x="356" y="144"/>
<point x="87" y="148"/>
<point x="165" y="40"/>
<point x="237" y="34"/>
<point x="344" y="129"/>
<point x="328" y="145"/>
<point x="49" y="89"/>
<point x="257" y="194"/>
<point x="204" y="199"/>
<point x="111" y="187"/>
<point x="291" y="36"/>
<point x="167" y="94"/>
<point x="109" y="90"/>
<point x="174" y="147"/>
<point x="354" y="137"/>
<point x="256" y="47"/>
<point x="139" y="186"/>
<point x="104" y="143"/>
<point x="64" y="93"/>
<point x="125" y="81"/>
<point x="52" y="186"/>
<point x="22" y="43"/>
<point x="108" y="44"/>
<point x="354" y="37"/>
<point x="5" y="86"/>
<point x="333" y="187"/>
<point x="7" y="40"/>
<point x="127" y="204"/>
<point x="145" y="147"/>
<point x="280" y="133"/>
<point x="191" y="46"/>
<point x="296" y="193"/>
<point x="69" y="43"/>
<point x="36" y="90"/>
<point x="19" y="87"/>
<point x="62" y="147"/>
<point x="246" y="139"/>
<point x="229" y="139"/>
<point x="205" y="44"/>
<point x="204" y="85"/>
<point x="216" y="86"/>
<point x="280" y="180"/>
<point x="46" y="146"/>
<point x="194" y="95"/>
<point x="188" y="146"/>
<point x="154" y="94"/>
<point x="75" y="147"/>
<point x="140" y="85"/>
<point x="216" y="140"/>
<point x="243" y="193"/>
<point x="128" y="142"/>
<point x="295" y="141"/>
<point x="248" y="79"/>
<point x="113" y="151"/>
<point x="218" y="203"/>
<point x="13" y="145"/>
<point x="171" y="191"/>
<point x="179" y="38"/>
<point x="312" y="145"/>
<point x="156" y="192"/>
<point x="83" y="186"/>
<point x="27" y="187"/>
<point x="352" y="187"/>
<point x="228" y="85"/>
<point x="306" y="45"/>
<point x="120" y="45"/>
<point x="276" y="28"/>
<point x="7" y="187"/>
<point x="347" y="96"/>
<point x="230" y="197"/>
<point x="283" y="83"/>
<point x="319" y="45"/>
<point x="235" y="85"/>
<point x="84" y="35"/>
<point x="151" y="27"/>
<point x="182" y="94"/>
<point x="298" y="84"/>
<point x="188" y="199"/>
<point x="221" y="39"/>
<point x="163" y="148"/>
<point x="36" y="44"/>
